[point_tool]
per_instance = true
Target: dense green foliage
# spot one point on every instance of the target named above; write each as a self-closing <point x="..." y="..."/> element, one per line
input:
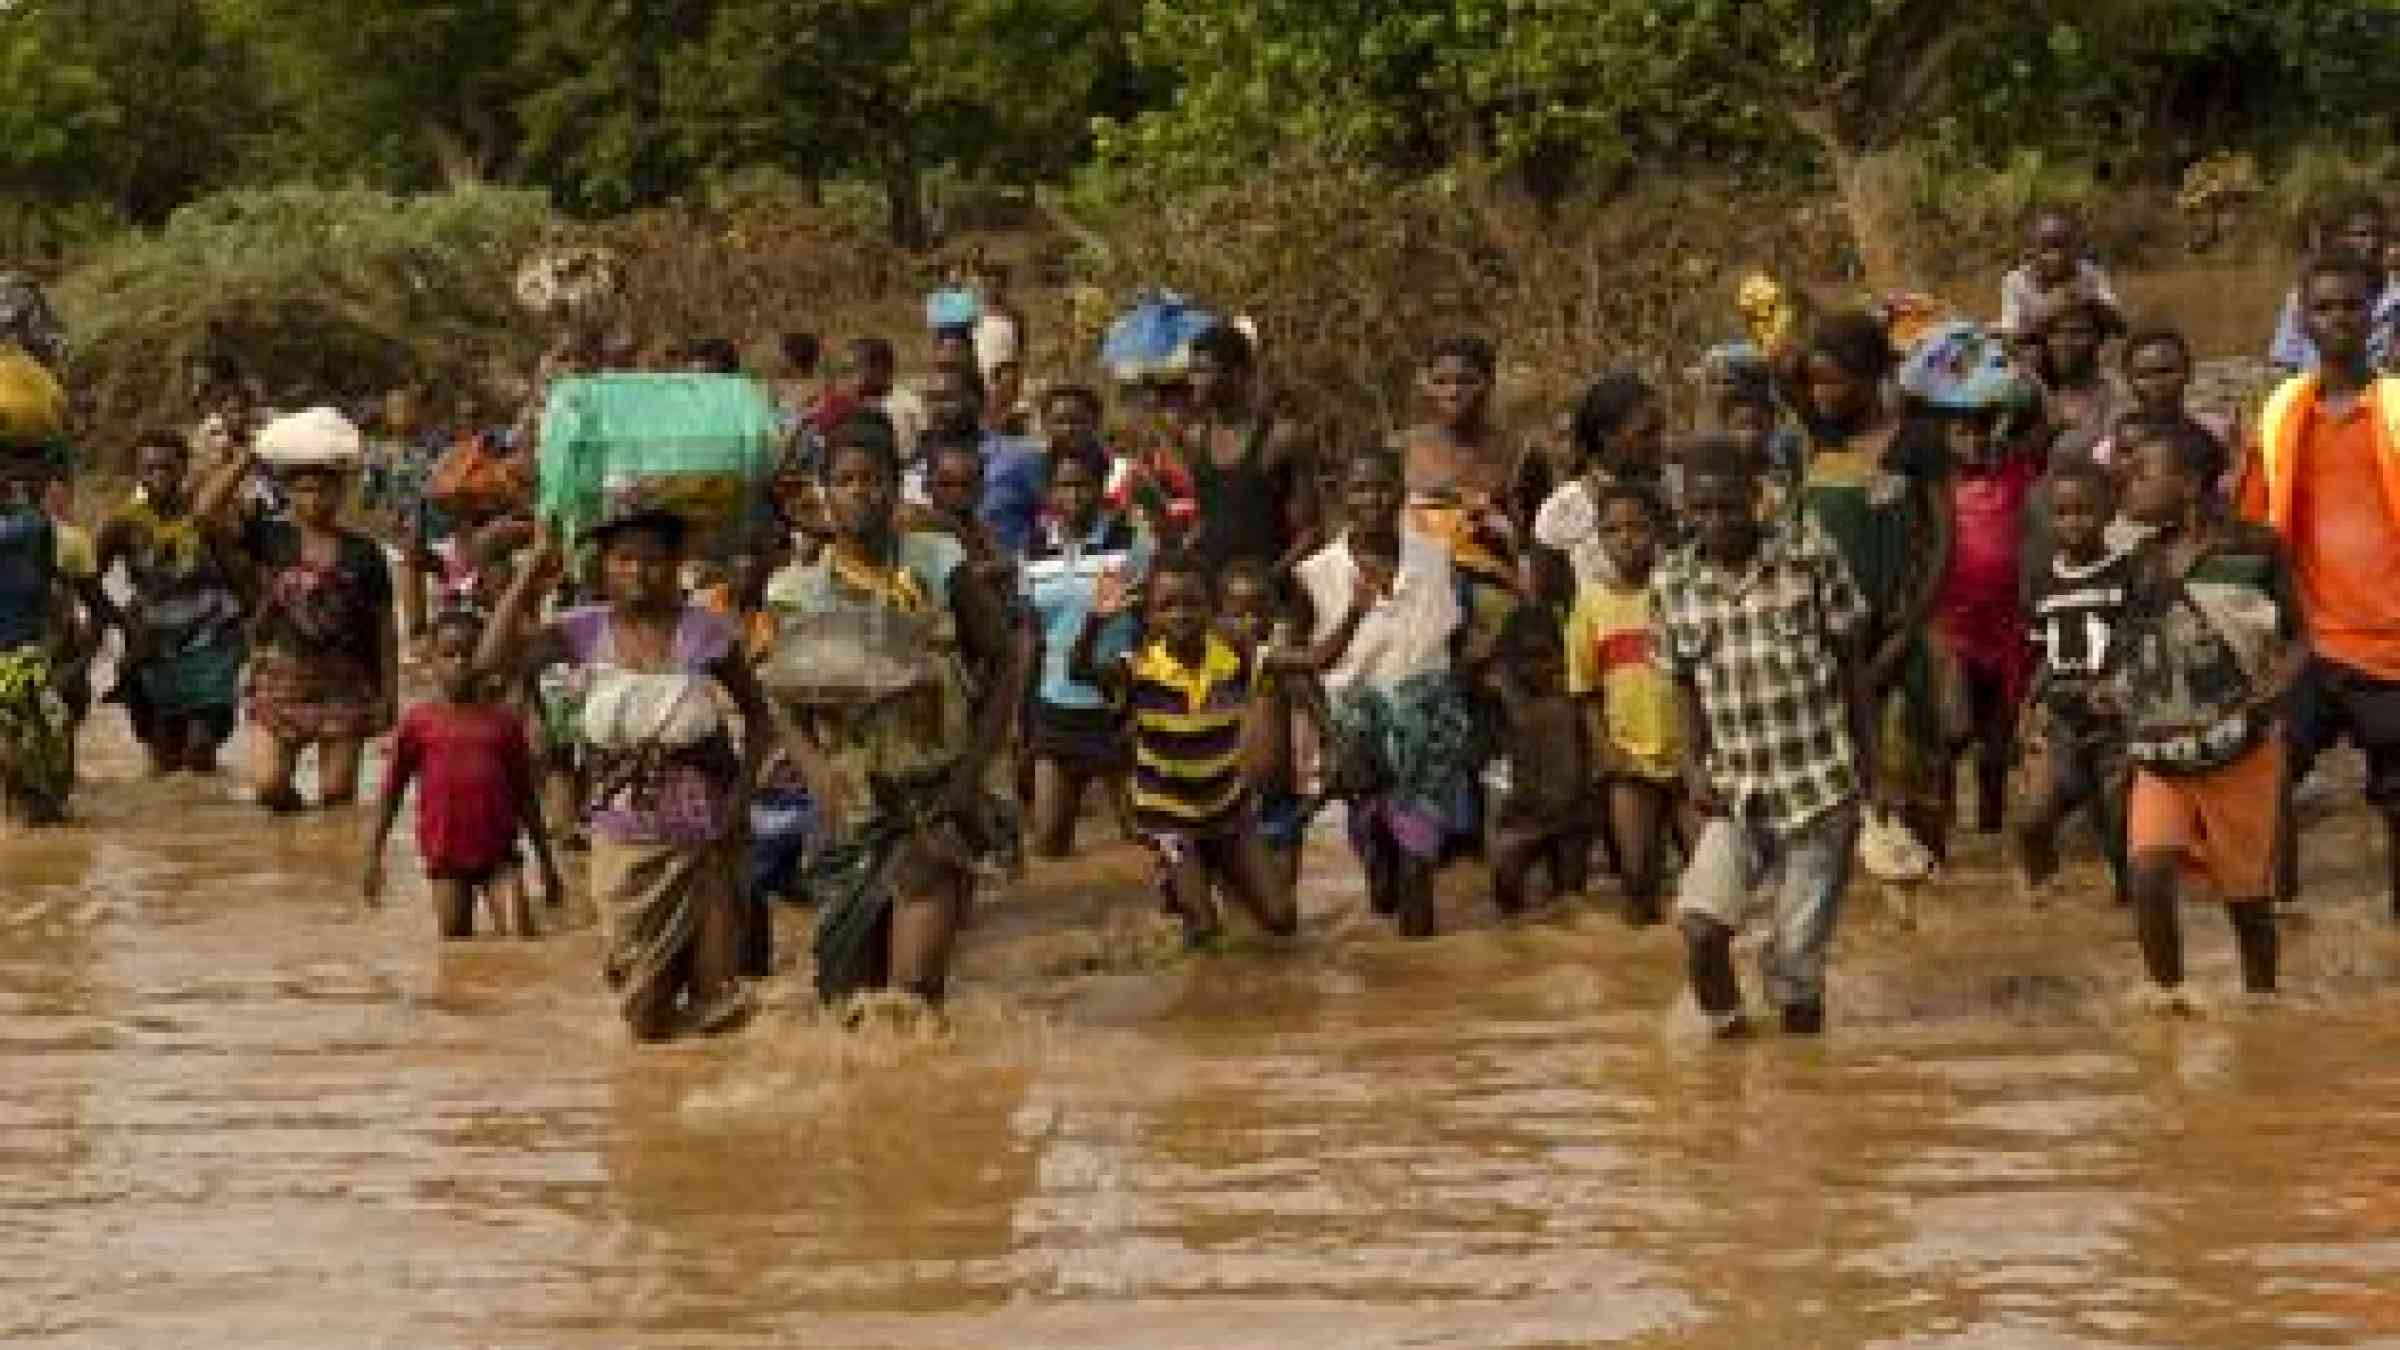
<point x="140" y="105"/>
<point x="328" y="293"/>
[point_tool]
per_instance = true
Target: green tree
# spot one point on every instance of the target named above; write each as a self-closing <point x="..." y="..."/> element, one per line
<point x="889" y="89"/>
<point x="2163" y="81"/>
<point x="1532" y="87"/>
<point x="814" y="87"/>
<point x="173" y="104"/>
<point x="594" y="116"/>
<point x="55" y="107"/>
<point x="418" y="91"/>
<point x="1561" y="92"/>
<point x="1857" y="78"/>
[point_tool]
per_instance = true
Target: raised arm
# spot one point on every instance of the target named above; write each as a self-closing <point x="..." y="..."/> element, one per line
<point x="1111" y="597"/>
<point x="1290" y="460"/>
<point x="218" y="486"/>
<point x="1325" y="653"/>
<point x="761" y="731"/>
<point x="990" y="644"/>
<point x="511" y="641"/>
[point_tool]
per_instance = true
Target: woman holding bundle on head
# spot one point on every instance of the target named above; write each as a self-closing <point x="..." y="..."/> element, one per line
<point x="325" y="643"/>
<point x="667" y="783"/>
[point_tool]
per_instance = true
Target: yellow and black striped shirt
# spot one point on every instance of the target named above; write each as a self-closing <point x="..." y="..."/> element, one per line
<point x="1187" y="736"/>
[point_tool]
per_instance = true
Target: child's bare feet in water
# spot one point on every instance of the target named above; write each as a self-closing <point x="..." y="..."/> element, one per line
<point x="512" y="907"/>
<point x="2036" y="865"/>
<point x="2171" y="1001"/>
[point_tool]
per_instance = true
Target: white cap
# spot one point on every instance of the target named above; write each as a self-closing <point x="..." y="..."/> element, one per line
<point x="317" y="437"/>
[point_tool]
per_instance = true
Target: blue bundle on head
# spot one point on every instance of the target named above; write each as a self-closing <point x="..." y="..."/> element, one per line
<point x="1154" y="337"/>
<point x="952" y="308"/>
<point x="1960" y="367"/>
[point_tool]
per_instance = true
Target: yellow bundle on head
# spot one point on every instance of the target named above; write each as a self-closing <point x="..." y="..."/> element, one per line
<point x="33" y="408"/>
<point x="1770" y="314"/>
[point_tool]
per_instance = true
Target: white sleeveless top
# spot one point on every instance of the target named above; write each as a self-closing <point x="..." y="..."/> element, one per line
<point x="1407" y="633"/>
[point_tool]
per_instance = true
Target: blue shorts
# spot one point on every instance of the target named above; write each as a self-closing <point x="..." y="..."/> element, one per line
<point x="1283" y="819"/>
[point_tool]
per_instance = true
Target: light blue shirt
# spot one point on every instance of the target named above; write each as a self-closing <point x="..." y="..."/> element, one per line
<point x="2292" y="350"/>
<point x="1059" y="586"/>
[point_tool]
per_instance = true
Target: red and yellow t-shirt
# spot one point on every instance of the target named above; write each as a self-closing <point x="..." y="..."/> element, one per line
<point x="1611" y="652"/>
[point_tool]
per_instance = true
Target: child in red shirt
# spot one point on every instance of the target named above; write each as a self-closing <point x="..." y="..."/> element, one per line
<point x="478" y="792"/>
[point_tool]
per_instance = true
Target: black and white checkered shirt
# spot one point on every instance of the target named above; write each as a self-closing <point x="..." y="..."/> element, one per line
<point x="1767" y="649"/>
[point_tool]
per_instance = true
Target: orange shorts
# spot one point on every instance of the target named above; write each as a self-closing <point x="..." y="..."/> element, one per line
<point x="2222" y="821"/>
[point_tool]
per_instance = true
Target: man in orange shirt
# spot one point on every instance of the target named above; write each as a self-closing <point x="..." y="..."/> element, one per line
<point x="2326" y="476"/>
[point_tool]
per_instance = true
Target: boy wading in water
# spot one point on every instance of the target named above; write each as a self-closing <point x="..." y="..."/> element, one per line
<point x="476" y="793"/>
<point x="1547" y="815"/>
<point x="1761" y="629"/>
<point x="2210" y="645"/>
<point x="180" y="677"/>
<point x="1186" y="693"/>
<point x="2326" y="477"/>
<point x="1249" y="616"/>
<point x="1613" y="666"/>
<point x="2074" y="741"/>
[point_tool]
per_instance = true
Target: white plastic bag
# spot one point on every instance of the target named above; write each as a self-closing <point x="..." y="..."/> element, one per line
<point x="317" y="438"/>
<point x="1890" y="851"/>
<point x="628" y="710"/>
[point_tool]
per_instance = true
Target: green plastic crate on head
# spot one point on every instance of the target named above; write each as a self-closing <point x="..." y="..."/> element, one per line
<point x="702" y="446"/>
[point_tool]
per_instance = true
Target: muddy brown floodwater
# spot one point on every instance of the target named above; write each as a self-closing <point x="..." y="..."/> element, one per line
<point x="241" y="1112"/>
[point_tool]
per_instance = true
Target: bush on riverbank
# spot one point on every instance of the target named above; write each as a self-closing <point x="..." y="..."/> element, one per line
<point x="751" y="262"/>
<point x="1351" y="271"/>
<point x="321" y="294"/>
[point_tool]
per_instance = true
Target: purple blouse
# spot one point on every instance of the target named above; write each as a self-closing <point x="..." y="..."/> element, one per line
<point x="683" y="797"/>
